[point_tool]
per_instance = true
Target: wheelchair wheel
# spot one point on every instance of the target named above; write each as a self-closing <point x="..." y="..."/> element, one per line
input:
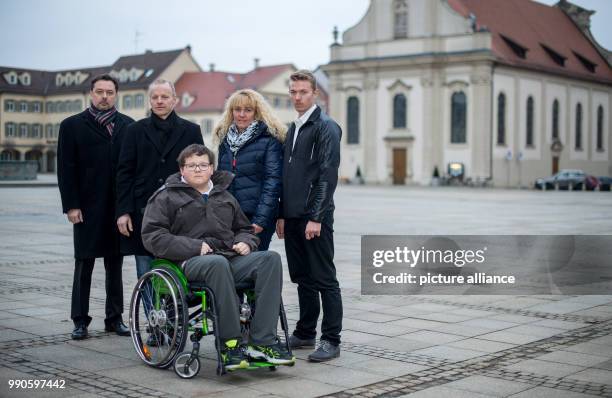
<point x="158" y="318"/>
<point x="182" y="370"/>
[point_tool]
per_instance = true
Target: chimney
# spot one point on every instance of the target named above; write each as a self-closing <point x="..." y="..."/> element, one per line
<point x="211" y="67"/>
<point x="188" y="48"/>
<point x="256" y="60"/>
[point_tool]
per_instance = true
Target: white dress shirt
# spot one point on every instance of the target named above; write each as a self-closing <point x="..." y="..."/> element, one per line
<point x="299" y="122"/>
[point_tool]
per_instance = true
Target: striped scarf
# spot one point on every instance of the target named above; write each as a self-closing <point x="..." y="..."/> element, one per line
<point x="106" y="119"/>
<point x="236" y="140"/>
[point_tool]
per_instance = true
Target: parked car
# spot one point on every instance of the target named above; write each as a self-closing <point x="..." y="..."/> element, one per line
<point x="604" y="183"/>
<point x="564" y="179"/>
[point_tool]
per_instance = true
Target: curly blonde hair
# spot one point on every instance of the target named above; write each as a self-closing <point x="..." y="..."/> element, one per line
<point x="263" y="112"/>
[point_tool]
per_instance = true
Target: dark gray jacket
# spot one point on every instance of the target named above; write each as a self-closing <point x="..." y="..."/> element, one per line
<point x="177" y="220"/>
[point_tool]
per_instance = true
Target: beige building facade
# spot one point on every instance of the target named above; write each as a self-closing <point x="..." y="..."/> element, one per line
<point x="418" y="85"/>
<point x="35" y="102"/>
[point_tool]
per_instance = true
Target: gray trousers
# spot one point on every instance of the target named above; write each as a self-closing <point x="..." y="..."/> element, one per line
<point x="221" y="275"/>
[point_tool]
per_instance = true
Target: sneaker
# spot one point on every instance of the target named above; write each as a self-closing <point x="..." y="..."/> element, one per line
<point x="233" y="356"/>
<point x="325" y="352"/>
<point x="296" y="342"/>
<point x="276" y="354"/>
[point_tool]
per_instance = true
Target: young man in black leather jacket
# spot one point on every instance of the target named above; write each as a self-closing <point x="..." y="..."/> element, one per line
<point x="310" y="176"/>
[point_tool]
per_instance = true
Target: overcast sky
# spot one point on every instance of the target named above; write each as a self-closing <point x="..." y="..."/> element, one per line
<point x="63" y="34"/>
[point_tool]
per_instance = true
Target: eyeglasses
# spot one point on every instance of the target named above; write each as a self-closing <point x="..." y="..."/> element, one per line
<point x="201" y="166"/>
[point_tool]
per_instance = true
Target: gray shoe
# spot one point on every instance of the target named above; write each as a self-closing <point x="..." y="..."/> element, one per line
<point x="296" y="342"/>
<point x="325" y="352"/>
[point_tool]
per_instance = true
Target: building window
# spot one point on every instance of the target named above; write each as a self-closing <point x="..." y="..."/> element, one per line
<point x="37" y="106"/>
<point x="599" y="140"/>
<point x="50" y="107"/>
<point x="399" y="111"/>
<point x="9" y="154"/>
<point x="289" y="104"/>
<point x="555" y="120"/>
<point x="23" y="130"/>
<point x="207" y="126"/>
<point x="400" y="27"/>
<point x="56" y="129"/>
<point x="9" y="130"/>
<point x="352" y="121"/>
<point x="23" y="106"/>
<point x="127" y="102"/>
<point x="529" y="137"/>
<point x="9" y="105"/>
<point x="501" y="119"/>
<point x="11" y="77"/>
<point x="277" y="102"/>
<point x="578" y="142"/>
<point x="68" y="106"/>
<point x="458" y="118"/>
<point x="139" y="101"/>
<point x="77" y="105"/>
<point x="49" y="130"/>
<point x="36" y="131"/>
<point x="60" y="107"/>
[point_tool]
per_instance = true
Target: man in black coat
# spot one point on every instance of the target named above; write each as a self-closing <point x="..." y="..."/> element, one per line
<point x="148" y="156"/>
<point x="88" y="150"/>
<point x="310" y="175"/>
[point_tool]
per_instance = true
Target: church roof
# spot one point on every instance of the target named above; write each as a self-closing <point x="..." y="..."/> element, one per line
<point x="536" y="36"/>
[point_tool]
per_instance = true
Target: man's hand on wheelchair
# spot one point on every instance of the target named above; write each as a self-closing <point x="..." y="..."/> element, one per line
<point x="241" y="248"/>
<point x="205" y="249"/>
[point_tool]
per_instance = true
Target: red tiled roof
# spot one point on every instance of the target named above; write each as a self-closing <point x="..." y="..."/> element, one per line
<point x="211" y="89"/>
<point x="531" y="25"/>
<point x="263" y="75"/>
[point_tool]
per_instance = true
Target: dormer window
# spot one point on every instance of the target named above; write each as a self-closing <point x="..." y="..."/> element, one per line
<point x="589" y="65"/>
<point x="187" y="100"/>
<point x="519" y="50"/>
<point x="11" y="77"/>
<point x="555" y="56"/>
<point x="25" y="79"/>
<point x="400" y="19"/>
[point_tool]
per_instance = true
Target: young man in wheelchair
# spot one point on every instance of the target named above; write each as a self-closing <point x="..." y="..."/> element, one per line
<point x="194" y="221"/>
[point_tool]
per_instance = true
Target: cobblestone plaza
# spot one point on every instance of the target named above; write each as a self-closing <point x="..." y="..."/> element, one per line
<point x="417" y="346"/>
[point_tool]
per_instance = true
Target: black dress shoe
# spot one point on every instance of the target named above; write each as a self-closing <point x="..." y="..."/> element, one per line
<point x="118" y="327"/>
<point x="79" y="332"/>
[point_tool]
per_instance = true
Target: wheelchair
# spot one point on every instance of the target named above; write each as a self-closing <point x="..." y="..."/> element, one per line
<point x="160" y="321"/>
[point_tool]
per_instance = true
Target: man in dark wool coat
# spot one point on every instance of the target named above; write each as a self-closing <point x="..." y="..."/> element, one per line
<point x="148" y="156"/>
<point x="88" y="150"/>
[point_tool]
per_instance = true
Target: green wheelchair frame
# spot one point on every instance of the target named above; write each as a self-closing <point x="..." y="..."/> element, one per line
<point x="160" y="321"/>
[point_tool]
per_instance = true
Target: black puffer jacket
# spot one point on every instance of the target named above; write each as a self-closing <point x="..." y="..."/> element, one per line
<point x="177" y="220"/>
<point x="310" y="170"/>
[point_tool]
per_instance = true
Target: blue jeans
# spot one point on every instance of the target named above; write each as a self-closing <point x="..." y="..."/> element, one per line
<point x="143" y="265"/>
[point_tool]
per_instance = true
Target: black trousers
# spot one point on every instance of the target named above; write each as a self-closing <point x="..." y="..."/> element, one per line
<point x="311" y="266"/>
<point x="81" y="287"/>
